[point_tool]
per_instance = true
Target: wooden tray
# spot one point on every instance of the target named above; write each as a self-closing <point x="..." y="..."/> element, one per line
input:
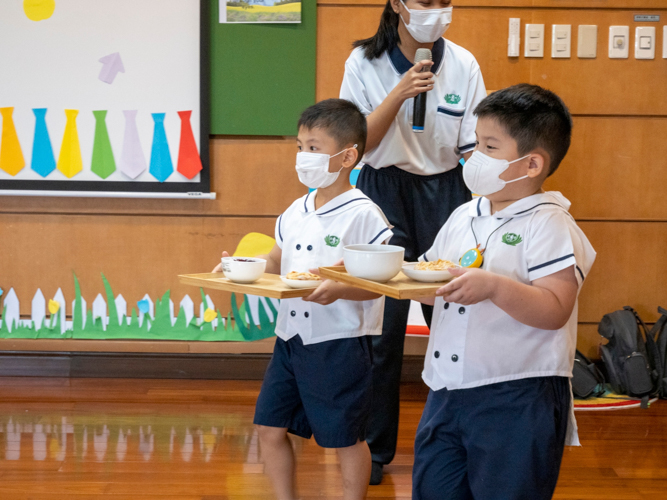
<point x="269" y="285"/>
<point x="400" y="287"/>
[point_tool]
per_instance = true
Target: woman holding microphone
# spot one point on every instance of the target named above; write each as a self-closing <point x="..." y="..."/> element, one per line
<point x="412" y="173"/>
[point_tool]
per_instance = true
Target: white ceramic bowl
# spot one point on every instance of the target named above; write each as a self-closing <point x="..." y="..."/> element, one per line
<point x="373" y="262"/>
<point x="301" y="283"/>
<point x="425" y="276"/>
<point x="243" y="269"/>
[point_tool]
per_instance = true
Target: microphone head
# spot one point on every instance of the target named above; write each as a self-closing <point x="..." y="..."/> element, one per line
<point x="423" y="54"/>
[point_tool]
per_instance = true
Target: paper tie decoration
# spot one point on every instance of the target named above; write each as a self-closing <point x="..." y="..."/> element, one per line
<point x="161" y="166"/>
<point x="189" y="162"/>
<point x="132" y="160"/>
<point x="11" y="156"/>
<point x="43" y="162"/>
<point x="111" y="66"/>
<point x="69" y="160"/>
<point x="103" y="163"/>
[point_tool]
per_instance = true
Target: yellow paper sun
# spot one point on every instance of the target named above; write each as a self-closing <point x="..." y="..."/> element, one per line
<point x="38" y="10"/>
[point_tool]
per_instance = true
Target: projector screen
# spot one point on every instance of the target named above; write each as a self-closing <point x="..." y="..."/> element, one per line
<point x="104" y="98"/>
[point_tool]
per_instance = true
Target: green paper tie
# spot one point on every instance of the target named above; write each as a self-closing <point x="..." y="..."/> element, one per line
<point x="103" y="163"/>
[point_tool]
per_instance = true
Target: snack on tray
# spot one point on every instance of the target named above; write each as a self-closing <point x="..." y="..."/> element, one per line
<point x="438" y="265"/>
<point x="293" y="275"/>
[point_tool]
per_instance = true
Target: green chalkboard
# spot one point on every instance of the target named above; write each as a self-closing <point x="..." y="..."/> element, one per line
<point x="262" y="76"/>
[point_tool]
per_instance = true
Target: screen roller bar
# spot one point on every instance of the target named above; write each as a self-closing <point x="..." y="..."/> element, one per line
<point x="108" y="194"/>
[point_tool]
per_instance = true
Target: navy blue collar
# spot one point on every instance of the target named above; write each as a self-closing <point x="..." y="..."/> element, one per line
<point x="402" y="64"/>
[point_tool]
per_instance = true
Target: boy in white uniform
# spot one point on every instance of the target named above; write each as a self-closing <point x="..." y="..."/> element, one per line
<point x="319" y="379"/>
<point x="503" y="336"/>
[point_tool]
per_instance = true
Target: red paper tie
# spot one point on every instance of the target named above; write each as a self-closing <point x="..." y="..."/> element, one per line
<point x="189" y="162"/>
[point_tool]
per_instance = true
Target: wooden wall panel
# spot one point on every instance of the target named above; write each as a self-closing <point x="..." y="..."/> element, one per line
<point x="256" y="176"/>
<point x="251" y="175"/>
<point x="615" y="169"/>
<point x="629" y="270"/>
<point x="588" y="86"/>
<point x="602" y="85"/>
<point x="145" y="254"/>
<point x="137" y="254"/>
<point x="559" y="4"/>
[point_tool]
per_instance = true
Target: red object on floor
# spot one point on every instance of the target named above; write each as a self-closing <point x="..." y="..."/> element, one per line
<point x="417" y="330"/>
<point x="189" y="162"/>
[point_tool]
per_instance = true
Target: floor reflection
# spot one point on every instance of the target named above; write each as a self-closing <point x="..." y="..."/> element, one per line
<point x="105" y="438"/>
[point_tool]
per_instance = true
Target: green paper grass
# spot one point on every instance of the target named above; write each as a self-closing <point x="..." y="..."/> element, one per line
<point x="157" y="328"/>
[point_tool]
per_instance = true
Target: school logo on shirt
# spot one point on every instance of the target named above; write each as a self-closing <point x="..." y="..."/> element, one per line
<point x="452" y="98"/>
<point x="512" y="239"/>
<point x="332" y="241"/>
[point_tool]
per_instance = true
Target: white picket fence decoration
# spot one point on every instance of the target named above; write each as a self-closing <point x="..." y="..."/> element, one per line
<point x="39" y="315"/>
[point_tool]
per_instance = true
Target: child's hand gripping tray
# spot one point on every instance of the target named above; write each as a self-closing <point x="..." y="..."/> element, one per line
<point x="400" y="287"/>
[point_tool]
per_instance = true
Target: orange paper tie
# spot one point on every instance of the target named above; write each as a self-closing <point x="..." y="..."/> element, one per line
<point x="11" y="156"/>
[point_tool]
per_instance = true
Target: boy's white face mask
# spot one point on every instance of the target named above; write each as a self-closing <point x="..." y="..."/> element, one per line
<point x="481" y="173"/>
<point x="313" y="169"/>
<point x="426" y="26"/>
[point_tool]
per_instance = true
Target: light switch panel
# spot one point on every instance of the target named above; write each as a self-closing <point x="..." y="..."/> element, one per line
<point x="619" y="41"/>
<point x="561" y="41"/>
<point x="645" y="42"/>
<point x="514" y="40"/>
<point x="534" y="43"/>
<point x="587" y="41"/>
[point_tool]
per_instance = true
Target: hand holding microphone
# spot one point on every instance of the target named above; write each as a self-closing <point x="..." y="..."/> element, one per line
<point x="419" y="109"/>
<point x="417" y="79"/>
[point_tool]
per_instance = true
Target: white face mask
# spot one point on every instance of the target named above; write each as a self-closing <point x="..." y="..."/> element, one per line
<point x="481" y="173"/>
<point x="313" y="169"/>
<point x="426" y="26"/>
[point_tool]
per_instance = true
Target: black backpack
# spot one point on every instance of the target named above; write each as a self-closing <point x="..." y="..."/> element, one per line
<point x="631" y="357"/>
<point x="659" y="334"/>
<point x="587" y="380"/>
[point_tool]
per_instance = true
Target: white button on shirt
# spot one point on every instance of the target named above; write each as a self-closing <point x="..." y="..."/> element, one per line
<point x="449" y="128"/>
<point x="480" y="344"/>
<point x="312" y="238"/>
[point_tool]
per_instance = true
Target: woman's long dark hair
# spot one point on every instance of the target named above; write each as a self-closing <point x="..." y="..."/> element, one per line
<point x="386" y="37"/>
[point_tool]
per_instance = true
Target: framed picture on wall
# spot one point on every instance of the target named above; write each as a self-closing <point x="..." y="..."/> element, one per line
<point x="260" y="11"/>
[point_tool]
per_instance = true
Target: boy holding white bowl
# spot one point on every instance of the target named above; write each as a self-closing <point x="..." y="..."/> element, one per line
<point x="319" y="379"/>
<point x="503" y="336"/>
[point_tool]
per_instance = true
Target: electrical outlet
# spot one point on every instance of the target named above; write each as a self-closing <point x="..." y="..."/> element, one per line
<point x="645" y="42"/>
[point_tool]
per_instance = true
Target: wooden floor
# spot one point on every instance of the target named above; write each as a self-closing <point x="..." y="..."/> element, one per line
<point x="177" y="439"/>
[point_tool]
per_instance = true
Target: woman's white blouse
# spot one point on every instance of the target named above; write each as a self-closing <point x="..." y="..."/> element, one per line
<point x="449" y="128"/>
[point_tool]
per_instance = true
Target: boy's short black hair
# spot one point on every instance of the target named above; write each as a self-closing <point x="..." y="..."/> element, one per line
<point x="534" y="117"/>
<point x="341" y="119"/>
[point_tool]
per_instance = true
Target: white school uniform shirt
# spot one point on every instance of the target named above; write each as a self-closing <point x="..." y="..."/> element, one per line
<point x="449" y="125"/>
<point x="312" y="238"/>
<point x="480" y="344"/>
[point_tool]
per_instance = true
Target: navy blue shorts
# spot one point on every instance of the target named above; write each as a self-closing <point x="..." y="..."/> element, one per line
<point x="496" y="442"/>
<point x="321" y="389"/>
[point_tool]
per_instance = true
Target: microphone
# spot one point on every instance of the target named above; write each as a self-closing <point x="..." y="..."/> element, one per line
<point x="419" y="110"/>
